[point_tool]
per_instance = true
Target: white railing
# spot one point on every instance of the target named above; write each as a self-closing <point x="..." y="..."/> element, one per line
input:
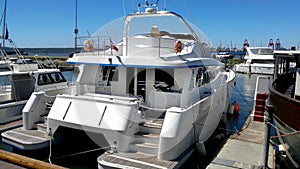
<point x="104" y="45"/>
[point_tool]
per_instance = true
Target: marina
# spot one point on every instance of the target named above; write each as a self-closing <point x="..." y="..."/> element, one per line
<point x="142" y="93"/>
<point x="235" y="131"/>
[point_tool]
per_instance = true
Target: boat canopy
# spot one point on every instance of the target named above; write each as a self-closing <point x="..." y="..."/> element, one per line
<point x="163" y="23"/>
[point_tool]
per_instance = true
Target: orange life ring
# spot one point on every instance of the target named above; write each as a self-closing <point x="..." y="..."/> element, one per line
<point x="88" y="46"/>
<point x="178" y="47"/>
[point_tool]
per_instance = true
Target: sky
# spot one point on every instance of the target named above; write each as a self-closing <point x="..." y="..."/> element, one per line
<point x="51" y="23"/>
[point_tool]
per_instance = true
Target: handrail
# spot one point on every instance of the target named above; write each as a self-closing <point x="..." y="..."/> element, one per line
<point x="103" y="45"/>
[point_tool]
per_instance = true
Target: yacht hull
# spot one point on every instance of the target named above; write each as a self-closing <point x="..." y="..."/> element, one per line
<point x="267" y="69"/>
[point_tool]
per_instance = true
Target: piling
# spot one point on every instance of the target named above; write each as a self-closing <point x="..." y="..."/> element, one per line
<point x="267" y="134"/>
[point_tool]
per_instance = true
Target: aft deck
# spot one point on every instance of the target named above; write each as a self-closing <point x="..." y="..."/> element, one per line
<point x="135" y="160"/>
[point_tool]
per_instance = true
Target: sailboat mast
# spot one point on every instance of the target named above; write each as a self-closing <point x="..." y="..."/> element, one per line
<point x="76" y="29"/>
<point x="4" y="25"/>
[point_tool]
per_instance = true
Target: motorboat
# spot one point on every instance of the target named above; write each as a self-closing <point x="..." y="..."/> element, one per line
<point x="143" y="86"/>
<point x="20" y="79"/>
<point x="4" y="64"/>
<point x="285" y="98"/>
<point x="26" y="76"/>
<point x="257" y="60"/>
<point x="224" y="56"/>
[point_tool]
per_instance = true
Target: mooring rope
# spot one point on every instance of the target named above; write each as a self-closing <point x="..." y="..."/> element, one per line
<point x="50" y="146"/>
<point x="285" y="134"/>
<point x="82" y="152"/>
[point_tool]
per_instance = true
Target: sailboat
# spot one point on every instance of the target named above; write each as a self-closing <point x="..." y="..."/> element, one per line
<point x="4" y="63"/>
<point x="22" y="77"/>
<point x="144" y="85"/>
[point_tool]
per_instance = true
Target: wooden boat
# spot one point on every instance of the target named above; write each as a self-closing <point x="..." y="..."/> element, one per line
<point x="285" y="97"/>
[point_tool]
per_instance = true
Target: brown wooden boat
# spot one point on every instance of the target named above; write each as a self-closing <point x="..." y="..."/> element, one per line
<point x="285" y="97"/>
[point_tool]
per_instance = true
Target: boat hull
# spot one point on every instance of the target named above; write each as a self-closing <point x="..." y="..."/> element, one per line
<point x="290" y="142"/>
<point x="287" y="121"/>
<point x="11" y="111"/>
<point x="267" y="69"/>
<point x="205" y="116"/>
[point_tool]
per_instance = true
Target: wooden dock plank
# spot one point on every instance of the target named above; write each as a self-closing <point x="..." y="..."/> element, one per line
<point x="137" y="159"/>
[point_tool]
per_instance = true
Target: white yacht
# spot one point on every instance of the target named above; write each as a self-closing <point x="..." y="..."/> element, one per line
<point x="18" y="84"/>
<point x="145" y="85"/>
<point x="258" y="60"/>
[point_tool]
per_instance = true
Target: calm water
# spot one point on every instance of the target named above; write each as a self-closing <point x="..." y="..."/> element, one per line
<point x="82" y="152"/>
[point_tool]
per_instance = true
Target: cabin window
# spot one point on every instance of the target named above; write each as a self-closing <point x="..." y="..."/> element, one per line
<point x="262" y="61"/>
<point x="43" y="79"/>
<point x="199" y="77"/>
<point x="48" y="78"/>
<point x="262" y="51"/>
<point x="57" y="77"/>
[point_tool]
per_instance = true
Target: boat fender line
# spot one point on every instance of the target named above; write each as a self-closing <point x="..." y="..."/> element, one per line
<point x="178" y="47"/>
<point x="50" y="136"/>
<point x="88" y="46"/>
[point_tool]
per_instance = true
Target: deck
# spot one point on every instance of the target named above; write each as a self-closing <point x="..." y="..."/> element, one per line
<point x="245" y="149"/>
<point x="135" y="160"/>
<point x="8" y="126"/>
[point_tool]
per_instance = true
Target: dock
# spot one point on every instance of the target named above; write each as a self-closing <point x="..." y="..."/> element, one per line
<point x="15" y="161"/>
<point x="244" y="149"/>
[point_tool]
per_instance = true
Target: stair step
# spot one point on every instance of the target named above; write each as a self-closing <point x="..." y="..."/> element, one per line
<point x="42" y="127"/>
<point x="147" y="137"/>
<point x="44" y="119"/>
<point x="145" y="147"/>
<point x="151" y="126"/>
<point x="259" y="118"/>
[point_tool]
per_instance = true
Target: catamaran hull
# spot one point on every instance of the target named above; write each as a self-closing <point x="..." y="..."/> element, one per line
<point x="178" y="134"/>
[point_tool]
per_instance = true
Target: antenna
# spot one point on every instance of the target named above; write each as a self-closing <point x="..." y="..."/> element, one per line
<point x="76" y="29"/>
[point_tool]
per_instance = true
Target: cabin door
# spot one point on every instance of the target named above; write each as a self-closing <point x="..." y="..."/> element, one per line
<point x="137" y="86"/>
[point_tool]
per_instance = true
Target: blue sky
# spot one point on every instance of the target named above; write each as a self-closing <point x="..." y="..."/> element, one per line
<point x="50" y="23"/>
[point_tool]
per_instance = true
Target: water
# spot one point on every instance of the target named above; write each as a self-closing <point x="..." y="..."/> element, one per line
<point x="243" y="94"/>
<point x="83" y="153"/>
<point x="48" y="51"/>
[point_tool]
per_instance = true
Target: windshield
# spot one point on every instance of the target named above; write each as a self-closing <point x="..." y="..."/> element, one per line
<point x="266" y="51"/>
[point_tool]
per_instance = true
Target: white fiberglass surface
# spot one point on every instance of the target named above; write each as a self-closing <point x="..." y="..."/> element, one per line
<point x="142" y="24"/>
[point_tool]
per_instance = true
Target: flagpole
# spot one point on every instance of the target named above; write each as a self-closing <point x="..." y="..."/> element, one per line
<point x="4" y="25"/>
